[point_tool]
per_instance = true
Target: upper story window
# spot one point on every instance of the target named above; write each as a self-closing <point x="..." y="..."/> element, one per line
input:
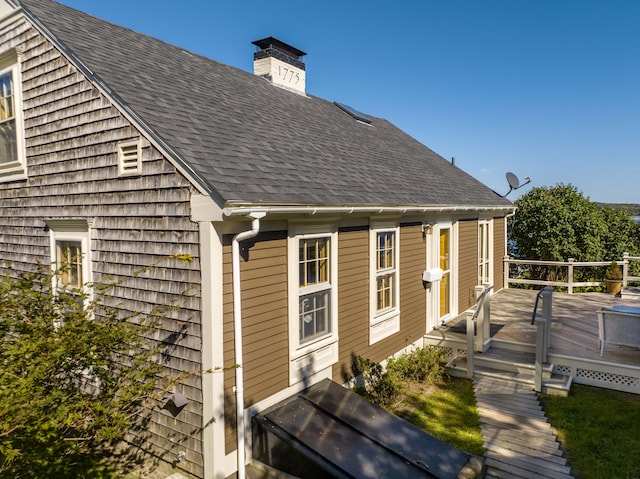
<point x="384" y="290"/>
<point x="12" y="150"/>
<point x="8" y="149"/>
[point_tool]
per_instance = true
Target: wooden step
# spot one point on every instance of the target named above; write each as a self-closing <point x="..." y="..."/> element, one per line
<point x="519" y="441"/>
<point x="552" y="383"/>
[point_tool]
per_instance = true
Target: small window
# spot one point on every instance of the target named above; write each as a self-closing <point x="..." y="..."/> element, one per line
<point x="69" y="263"/>
<point x="71" y="254"/>
<point x="12" y="150"/>
<point x="129" y="158"/>
<point x="385" y="319"/>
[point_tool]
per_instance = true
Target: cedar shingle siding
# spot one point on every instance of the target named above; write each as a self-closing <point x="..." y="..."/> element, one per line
<point x="71" y="135"/>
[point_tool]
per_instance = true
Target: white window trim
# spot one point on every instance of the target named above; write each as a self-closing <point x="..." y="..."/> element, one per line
<point x="73" y="230"/>
<point x="383" y="324"/>
<point x="15" y="170"/>
<point x="488" y="224"/>
<point x="313" y="357"/>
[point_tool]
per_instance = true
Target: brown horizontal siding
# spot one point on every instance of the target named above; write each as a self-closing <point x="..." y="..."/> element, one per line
<point x="353" y="297"/>
<point x="265" y="339"/>
<point x="353" y="300"/>
<point x="71" y="137"/>
<point x="499" y="251"/>
<point x="413" y="304"/>
<point x="467" y="263"/>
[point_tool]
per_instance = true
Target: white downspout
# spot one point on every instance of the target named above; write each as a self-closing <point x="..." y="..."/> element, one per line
<point x="237" y="334"/>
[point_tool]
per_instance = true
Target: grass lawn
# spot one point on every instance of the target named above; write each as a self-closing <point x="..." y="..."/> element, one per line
<point x="599" y="430"/>
<point x="446" y="410"/>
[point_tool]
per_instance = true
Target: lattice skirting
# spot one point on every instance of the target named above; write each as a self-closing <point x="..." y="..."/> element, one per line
<point x="616" y="377"/>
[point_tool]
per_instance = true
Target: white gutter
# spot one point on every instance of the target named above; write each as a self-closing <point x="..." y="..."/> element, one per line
<point x="237" y="333"/>
<point x="313" y="210"/>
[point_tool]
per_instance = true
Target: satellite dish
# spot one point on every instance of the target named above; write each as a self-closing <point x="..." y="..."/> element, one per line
<point x="514" y="182"/>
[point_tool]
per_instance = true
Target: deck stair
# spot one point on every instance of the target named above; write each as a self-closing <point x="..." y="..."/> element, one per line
<point x="519" y="441"/>
<point x="511" y="365"/>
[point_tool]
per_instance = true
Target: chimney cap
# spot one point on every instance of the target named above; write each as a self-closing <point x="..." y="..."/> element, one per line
<point x="271" y="42"/>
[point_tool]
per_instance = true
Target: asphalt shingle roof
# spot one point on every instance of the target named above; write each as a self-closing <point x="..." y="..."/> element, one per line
<point x="252" y="142"/>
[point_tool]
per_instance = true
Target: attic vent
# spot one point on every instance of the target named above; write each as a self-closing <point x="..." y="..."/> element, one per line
<point x="353" y="112"/>
<point x="129" y="158"/>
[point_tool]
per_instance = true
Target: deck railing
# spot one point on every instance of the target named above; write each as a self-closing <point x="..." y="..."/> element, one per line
<point x="567" y="280"/>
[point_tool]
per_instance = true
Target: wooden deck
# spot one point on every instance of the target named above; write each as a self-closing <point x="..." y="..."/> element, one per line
<point x="574" y="328"/>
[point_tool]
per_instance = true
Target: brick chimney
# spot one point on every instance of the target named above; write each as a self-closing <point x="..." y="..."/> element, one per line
<point x="280" y="64"/>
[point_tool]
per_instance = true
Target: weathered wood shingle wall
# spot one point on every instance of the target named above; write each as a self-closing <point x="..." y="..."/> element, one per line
<point x="71" y="133"/>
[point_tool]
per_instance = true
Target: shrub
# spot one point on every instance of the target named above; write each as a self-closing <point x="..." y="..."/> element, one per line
<point x="75" y="377"/>
<point x="378" y="385"/>
<point x="383" y="386"/>
<point x="420" y="365"/>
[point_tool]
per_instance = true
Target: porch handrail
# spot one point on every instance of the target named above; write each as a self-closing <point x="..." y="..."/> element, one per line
<point x="570" y="264"/>
<point x="543" y="332"/>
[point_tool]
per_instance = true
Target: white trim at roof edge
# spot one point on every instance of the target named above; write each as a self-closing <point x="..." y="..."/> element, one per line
<point x="315" y="210"/>
<point x="181" y="165"/>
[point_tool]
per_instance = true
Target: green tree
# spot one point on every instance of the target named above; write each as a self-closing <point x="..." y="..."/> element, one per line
<point x="557" y="223"/>
<point x="74" y="378"/>
<point x="621" y="235"/>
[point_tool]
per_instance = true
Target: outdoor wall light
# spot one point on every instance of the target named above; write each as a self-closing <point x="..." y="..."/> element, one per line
<point x="175" y="402"/>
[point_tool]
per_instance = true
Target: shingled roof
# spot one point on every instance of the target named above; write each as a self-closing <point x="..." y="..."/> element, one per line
<point x="248" y="142"/>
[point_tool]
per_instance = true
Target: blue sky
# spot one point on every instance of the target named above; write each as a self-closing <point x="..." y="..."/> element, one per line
<point x="548" y="89"/>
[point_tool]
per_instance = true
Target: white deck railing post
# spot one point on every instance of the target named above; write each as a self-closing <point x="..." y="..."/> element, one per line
<point x="470" y="344"/>
<point x="540" y="334"/>
<point x="506" y="266"/>
<point x="486" y="314"/>
<point x="547" y="313"/>
<point x="570" y="276"/>
<point x="625" y="269"/>
<point x="480" y="337"/>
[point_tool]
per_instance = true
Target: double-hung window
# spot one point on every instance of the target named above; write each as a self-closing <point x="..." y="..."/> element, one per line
<point x="12" y="150"/>
<point x="71" y="255"/>
<point x="484" y="251"/>
<point x="384" y="291"/>
<point x="313" y="338"/>
<point x="69" y="265"/>
<point x="314" y="305"/>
